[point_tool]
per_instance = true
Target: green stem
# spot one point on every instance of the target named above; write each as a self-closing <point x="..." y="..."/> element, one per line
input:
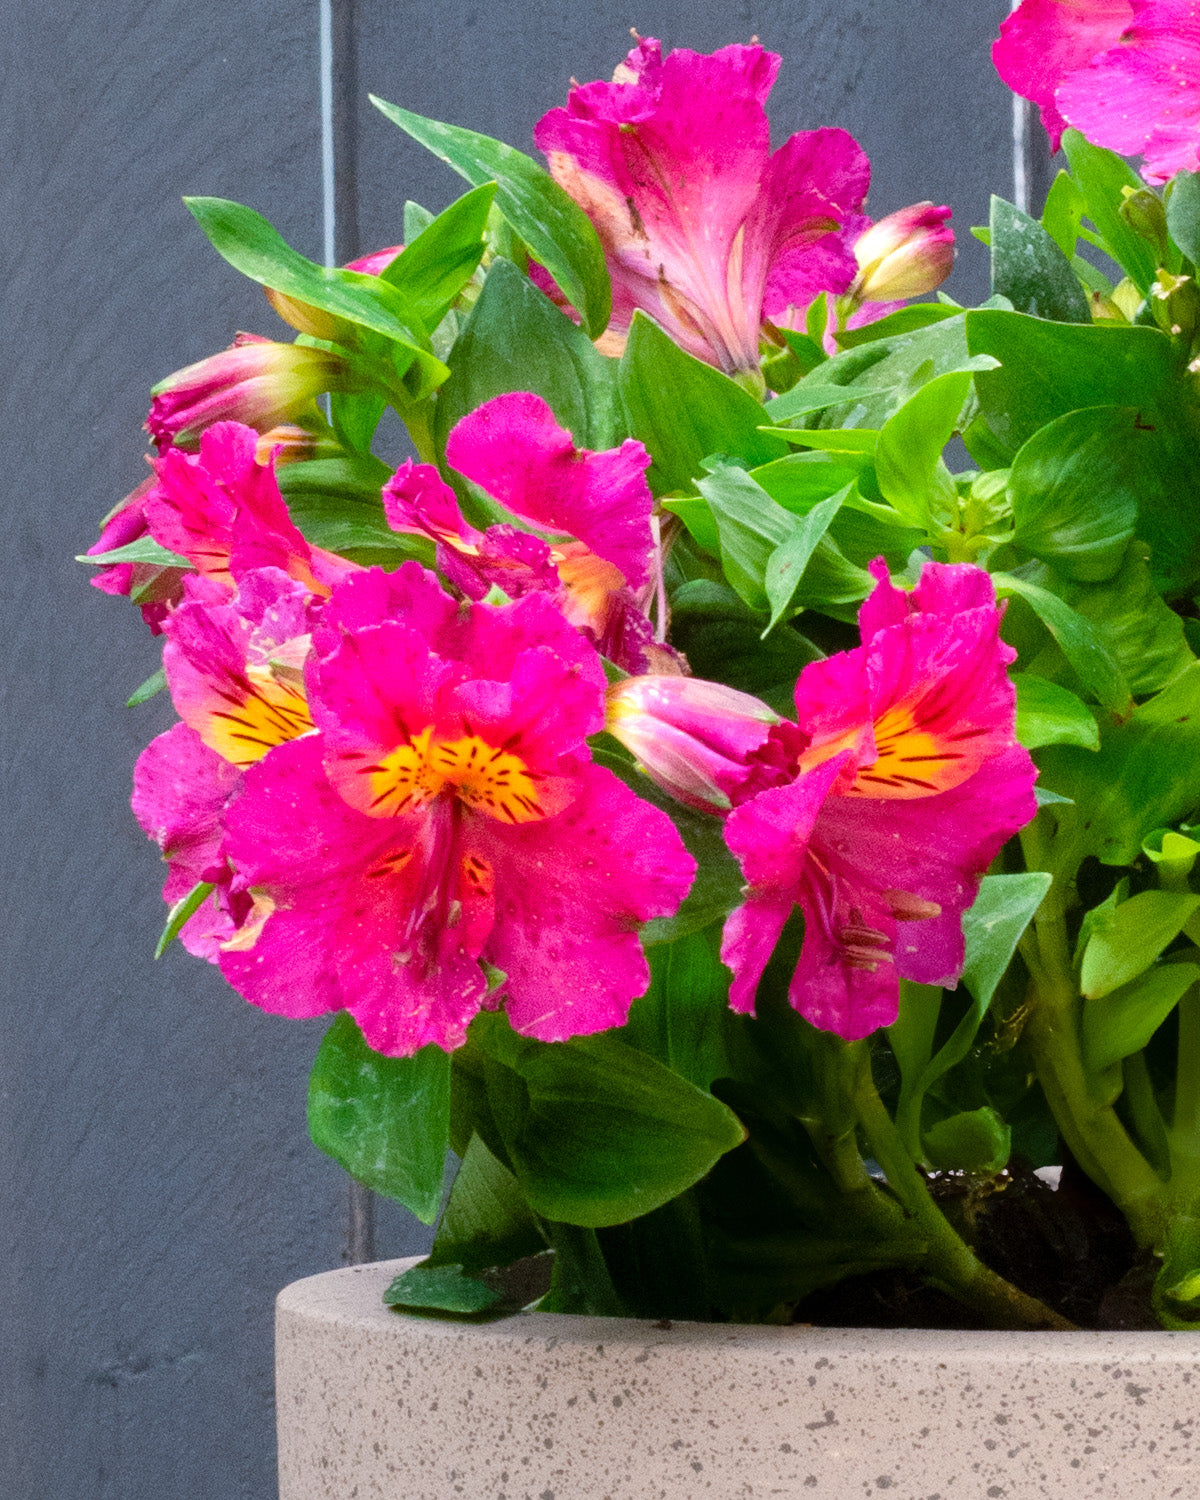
<point x="1185" y="1123"/>
<point x="416" y="416"/>
<point x="948" y="1260"/>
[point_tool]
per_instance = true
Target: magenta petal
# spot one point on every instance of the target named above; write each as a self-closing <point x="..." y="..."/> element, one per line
<point x="570" y="892"/>
<point x="417" y="499"/>
<point x="336" y="892"/>
<point x="1044" y="41"/>
<point x="1143" y="96"/>
<point x="180" y="791"/>
<point x="513" y="448"/>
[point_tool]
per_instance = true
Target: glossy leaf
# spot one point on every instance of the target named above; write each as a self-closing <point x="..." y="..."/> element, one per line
<point x="1100" y="176"/>
<point x="1004" y="908"/>
<point x="1131" y="937"/>
<point x="908" y="462"/>
<point x="154" y="684"/>
<point x="1081" y="643"/>
<point x="336" y="504"/>
<point x="442" y="1288"/>
<point x="597" y="1131"/>
<point x="1145" y="775"/>
<point x="681" y="1018"/>
<point x="975" y="1141"/>
<point x="177" y="916"/>
<point x="517" y="340"/>
<point x="385" y="1119"/>
<point x="1062" y="213"/>
<point x="684" y="410"/>
<point x="144" y="550"/>
<point x="1031" y="271"/>
<point x="750" y="527"/>
<point x="1183" y="214"/>
<point x="1051" y="715"/>
<point x="432" y="270"/>
<point x="1123" y="1021"/>
<point x="786" y="565"/>
<point x="255" y="248"/>
<point x="555" y="228"/>
<point x="487" y="1222"/>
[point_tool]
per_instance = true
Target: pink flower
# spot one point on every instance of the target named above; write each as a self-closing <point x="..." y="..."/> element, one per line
<point x="256" y="382"/>
<point x="879" y="811"/>
<point x="1126" y="73"/>
<point x="446" y="817"/>
<point x="152" y="586"/>
<point x="1044" y="41"/>
<point x="702" y="226"/>
<point x="234" y="667"/>
<point x="222" y="510"/>
<point x="598" y="504"/>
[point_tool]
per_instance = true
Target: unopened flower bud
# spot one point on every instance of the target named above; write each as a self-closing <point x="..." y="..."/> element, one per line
<point x="1142" y="209"/>
<point x="1175" y="302"/>
<point x="693" y="738"/>
<point x="257" y="382"/>
<point x="905" y="255"/>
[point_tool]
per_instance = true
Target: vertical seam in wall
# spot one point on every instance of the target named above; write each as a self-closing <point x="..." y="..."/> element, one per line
<point x="1020" y="152"/>
<point x="328" y="160"/>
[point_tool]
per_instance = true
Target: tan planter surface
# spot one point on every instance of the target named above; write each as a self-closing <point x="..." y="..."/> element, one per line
<point x="378" y="1406"/>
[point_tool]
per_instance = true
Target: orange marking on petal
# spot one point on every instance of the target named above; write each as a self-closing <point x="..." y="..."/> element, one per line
<point x="268" y="712"/>
<point x="488" y="779"/>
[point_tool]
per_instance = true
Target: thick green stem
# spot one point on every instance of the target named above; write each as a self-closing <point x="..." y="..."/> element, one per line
<point x="948" y="1260"/>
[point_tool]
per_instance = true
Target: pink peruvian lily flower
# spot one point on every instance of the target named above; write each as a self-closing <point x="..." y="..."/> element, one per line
<point x="222" y="510"/>
<point x="447" y="823"/>
<point x="1126" y="73"/>
<point x="256" y="381"/>
<point x="1044" y="41"/>
<point x="605" y="561"/>
<point x="878" y="812"/>
<point x="703" y="227"/>
<point x="153" y="587"/>
<point x="235" y="671"/>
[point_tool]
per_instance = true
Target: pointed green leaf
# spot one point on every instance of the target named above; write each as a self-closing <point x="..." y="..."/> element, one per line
<point x="440" y="1289"/>
<point x="184" y="908"/>
<point x="385" y="1119"/>
<point x="908" y="459"/>
<point x="1183" y="214"/>
<point x="786" y="564"/>
<point x="684" y="410"/>
<point x="1081" y="644"/>
<point x="597" y="1131"/>
<point x="1131" y="937"/>
<point x="1100" y="176"/>
<point x="487" y="1221"/>
<point x="1051" y="715"/>
<point x="681" y="1018"/>
<point x="555" y="228"/>
<point x="1031" y="270"/>
<point x="1005" y="906"/>
<point x="154" y="684"/>
<point x="435" y="266"/>
<point x="144" y="550"/>
<point x="1121" y="1022"/>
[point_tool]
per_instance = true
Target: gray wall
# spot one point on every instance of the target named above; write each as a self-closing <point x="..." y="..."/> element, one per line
<point x="156" y="1182"/>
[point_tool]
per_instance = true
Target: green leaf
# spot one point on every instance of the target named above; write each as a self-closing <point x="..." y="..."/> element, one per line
<point x="722" y="639"/>
<point x="908" y="459"/>
<point x="750" y="527"/>
<point x="1145" y="775"/>
<point x="517" y="340"/>
<point x="1144" y="636"/>
<point x="1131" y="937"/>
<point x="1183" y="214"/>
<point x="385" y="1119"/>
<point x="681" y="1018"/>
<point x="684" y="410"/>
<point x="976" y="1141"/>
<point x="1061" y="216"/>
<point x="1100" y="176"/>
<point x="1031" y="270"/>
<point x="554" y="227"/>
<point x="154" y="684"/>
<point x="1074" y="490"/>
<point x="354" y="416"/>
<point x="1123" y="1021"/>
<point x="803" y="401"/>
<point x="785" y="567"/>
<point x="1081" y="644"/>
<point x="887" y="371"/>
<point x="253" y="247"/>
<point x="439" y="1289"/>
<point x="597" y="1131"/>
<point x="179" y="913"/>
<point x="144" y="550"/>
<point x="1005" y="906"/>
<point x="435" y="266"/>
<point x="904" y="320"/>
<point x="487" y="1222"/>
<point x="1051" y="715"/>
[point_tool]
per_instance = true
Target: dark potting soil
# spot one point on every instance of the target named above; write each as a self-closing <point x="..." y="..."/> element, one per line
<point x="1067" y="1246"/>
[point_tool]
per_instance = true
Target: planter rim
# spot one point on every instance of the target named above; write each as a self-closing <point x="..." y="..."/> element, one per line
<point x="353" y="1297"/>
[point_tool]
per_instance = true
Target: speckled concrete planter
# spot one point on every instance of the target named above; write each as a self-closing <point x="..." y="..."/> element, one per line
<point x="376" y="1406"/>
